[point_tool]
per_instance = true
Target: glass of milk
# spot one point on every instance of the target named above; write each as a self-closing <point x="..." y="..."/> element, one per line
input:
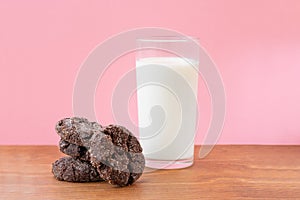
<point x="167" y="80"/>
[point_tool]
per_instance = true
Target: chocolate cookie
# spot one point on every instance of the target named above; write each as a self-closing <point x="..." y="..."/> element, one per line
<point x="77" y="130"/>
<point x="74" y="150"/>
<point x="113" y="150"/>
<point x="117" y="155"/>
<point x="74" y="170"/>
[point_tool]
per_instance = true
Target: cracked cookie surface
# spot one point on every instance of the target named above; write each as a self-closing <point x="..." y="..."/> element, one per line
<point x="74" y="150"/>
<point x="118" y="157"/>
<point x="74" y="170"/>
<point x="77" y="130"/>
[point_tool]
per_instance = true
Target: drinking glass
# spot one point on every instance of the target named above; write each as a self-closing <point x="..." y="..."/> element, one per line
<point x="167" y="84"/>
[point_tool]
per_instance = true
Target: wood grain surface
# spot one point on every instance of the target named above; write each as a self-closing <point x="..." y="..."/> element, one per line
<point x="229" y="172"/>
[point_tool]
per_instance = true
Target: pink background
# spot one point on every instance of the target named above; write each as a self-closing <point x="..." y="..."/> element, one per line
<point x="255" y="43"/>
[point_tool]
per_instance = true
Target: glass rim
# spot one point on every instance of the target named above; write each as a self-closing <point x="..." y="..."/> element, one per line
<point x="167" y="38"/>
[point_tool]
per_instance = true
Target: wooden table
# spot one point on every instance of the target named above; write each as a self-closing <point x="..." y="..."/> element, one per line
<point x="229" y="172"/>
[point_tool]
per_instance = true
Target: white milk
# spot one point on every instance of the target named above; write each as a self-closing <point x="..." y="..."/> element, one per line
<point x="169" y="143"/>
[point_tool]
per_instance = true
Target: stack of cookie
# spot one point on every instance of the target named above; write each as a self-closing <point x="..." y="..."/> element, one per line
<point x="96" y="153"/>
